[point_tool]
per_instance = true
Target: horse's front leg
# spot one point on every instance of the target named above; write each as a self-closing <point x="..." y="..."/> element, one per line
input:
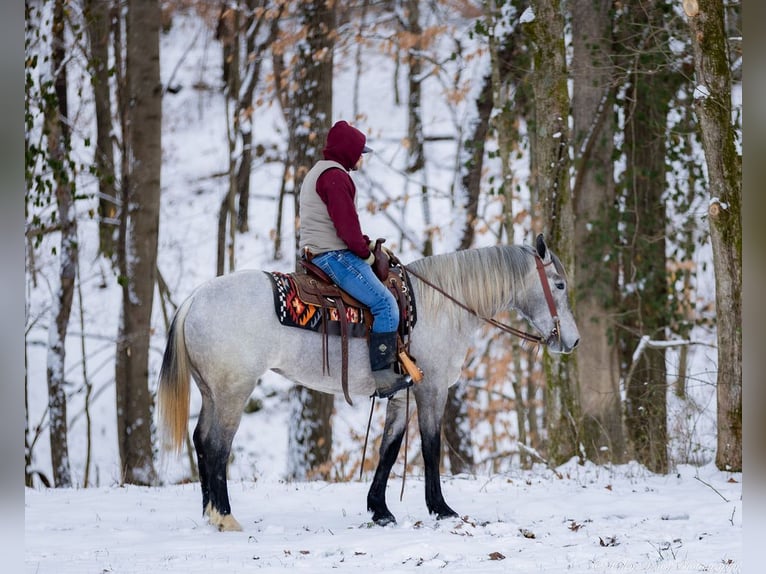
<point x="430" y="412"/>
<point x="393" y="432"/>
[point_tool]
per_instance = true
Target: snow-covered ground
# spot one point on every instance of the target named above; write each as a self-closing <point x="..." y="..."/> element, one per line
<point x="590" y="519"/>
<point x="578" y="518"/>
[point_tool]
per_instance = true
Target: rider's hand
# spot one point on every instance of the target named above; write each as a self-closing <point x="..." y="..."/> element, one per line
<point x="372" y="244"/>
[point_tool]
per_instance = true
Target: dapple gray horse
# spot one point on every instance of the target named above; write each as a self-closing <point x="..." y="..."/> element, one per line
<point x="226" y="335"/>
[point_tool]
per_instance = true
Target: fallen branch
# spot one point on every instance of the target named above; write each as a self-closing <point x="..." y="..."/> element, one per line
<point x="711" y="487"/>
<point x="647" y="342"/>
<point x="538" y="456"/>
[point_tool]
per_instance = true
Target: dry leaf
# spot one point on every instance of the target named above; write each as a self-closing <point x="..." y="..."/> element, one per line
<point x="496" y="556"/>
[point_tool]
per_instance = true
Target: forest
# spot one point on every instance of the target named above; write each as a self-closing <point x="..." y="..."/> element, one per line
<point x="165" y="142"/>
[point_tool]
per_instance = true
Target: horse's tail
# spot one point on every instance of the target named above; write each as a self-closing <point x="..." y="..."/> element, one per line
<point x="173" y="391"/>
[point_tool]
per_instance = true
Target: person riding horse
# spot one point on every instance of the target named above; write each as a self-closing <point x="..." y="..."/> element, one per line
<point x="331" y="238"/>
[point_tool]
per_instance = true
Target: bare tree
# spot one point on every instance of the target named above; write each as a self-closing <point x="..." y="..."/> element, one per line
<point x="724" y="165"/>
<point x="239" y="28"/>
<point x="57" y="127"/>
<point x="228" y="32"/>
<point x="603" y="435"/>
<point x="98" y="14"/>
<point x="414" y="43"/>
<point x="137" y="252"/>
<point x="474" y="150"/>
<point x="309" y="120"/>
<point x="503" y="93"/>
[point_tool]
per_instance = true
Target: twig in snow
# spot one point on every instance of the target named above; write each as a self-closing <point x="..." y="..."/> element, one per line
<point x="537" y="455"/>
<point x="712" y="488"/>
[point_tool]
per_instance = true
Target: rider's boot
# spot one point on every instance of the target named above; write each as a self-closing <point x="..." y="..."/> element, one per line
<point x="382" y="361"/>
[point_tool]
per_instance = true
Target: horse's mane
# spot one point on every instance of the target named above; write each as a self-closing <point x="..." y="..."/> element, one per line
<point x="485" y="279"/>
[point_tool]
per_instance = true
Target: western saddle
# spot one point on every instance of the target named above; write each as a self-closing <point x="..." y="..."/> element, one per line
<point x="316" y="288"/>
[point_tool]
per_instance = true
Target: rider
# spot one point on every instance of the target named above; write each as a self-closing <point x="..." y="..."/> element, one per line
<point x="331" y="238"/>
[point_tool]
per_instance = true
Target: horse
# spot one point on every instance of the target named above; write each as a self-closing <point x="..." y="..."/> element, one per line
<point x="226" y="335"/>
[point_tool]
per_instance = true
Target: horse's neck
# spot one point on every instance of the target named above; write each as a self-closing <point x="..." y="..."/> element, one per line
<point x="487" y="279"/>
<point x="501" y="269"/>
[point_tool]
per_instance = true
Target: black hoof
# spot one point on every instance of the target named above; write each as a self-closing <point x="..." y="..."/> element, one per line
<point x="383" y="518"/>
<point x="445" y="512"/>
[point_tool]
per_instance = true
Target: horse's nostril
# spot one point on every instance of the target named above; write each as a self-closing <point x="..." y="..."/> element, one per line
<point x="577" y="342"/>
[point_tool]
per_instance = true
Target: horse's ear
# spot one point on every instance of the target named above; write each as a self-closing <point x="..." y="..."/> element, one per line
<point x="542" y="248"/>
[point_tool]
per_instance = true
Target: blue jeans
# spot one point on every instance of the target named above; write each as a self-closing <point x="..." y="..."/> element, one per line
<point x="350" y="272"/>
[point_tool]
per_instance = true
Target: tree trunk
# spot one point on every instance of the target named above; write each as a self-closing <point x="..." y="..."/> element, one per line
<point x="603" y="435"/>
<point x="28" y="472"/>
<point x="98" y="14"/>
<point x="57" y="125"/>
<point x="724" y="166"/>
<point x="522" y="405"/>
<point x="416" y="160"/>
<point x="550" y="183"/>
<point x="650" y="87"/>
<point x="238" y="29"/>
<point x="309" y="120"/>
<point x="457" y="431"/>
<point x="474" y="150"/>
<point x="252" y="75"/>
<point x="139" y="253"/>
<point x="310" y="434"/>
<point x="227" y="32"/>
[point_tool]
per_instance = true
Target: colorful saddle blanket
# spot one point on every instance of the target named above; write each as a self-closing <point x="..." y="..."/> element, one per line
<point x="294" y="312"/>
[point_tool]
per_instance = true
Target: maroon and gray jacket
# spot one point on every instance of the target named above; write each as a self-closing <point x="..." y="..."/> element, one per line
<point x="329" y="220"/>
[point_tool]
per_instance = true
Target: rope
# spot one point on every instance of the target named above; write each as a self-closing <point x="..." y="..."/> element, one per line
<point x="366" y="437"/>
<point x="406" y="442"/>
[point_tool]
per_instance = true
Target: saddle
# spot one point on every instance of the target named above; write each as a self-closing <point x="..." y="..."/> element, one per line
<point x="314" y="287"/>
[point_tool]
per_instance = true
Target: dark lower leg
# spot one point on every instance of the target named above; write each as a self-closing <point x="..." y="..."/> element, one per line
<point x="376" y="497"/>
<point x="431" y="446"/>
<point x="204" y="480"/>
<point x="216" y="459"/>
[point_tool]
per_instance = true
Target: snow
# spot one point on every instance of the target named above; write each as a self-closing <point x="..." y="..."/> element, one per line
<point x="590" y="519"/>
<point x="527" y="16"/>
<point x="701" y="92"/>
<point x="717" y="201"/>
<point x="579" y="518"/>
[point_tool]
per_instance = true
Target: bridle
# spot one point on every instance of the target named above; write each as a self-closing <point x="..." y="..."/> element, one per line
<point x="556" y="331"/>
<point x="539" y="339"/>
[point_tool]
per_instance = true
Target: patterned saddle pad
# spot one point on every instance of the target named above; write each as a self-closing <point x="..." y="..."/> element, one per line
<point x="294" y="312"/>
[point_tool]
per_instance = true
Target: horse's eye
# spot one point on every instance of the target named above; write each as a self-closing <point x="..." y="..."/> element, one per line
<point x="560" y="285"/>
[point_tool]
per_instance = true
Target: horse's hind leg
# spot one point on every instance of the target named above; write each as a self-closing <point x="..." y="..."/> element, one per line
<point x="199" y="447"/>
<point x="217" y="446"/>
<point x="200" y="432"/>
<point x="213" y="436"/>
<point x="393" y="433"/>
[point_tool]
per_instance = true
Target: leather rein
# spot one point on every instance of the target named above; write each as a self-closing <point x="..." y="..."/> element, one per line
<point x="539" y="339"/>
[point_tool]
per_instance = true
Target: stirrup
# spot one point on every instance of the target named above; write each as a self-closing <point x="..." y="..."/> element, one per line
<point x="388" y="391"/>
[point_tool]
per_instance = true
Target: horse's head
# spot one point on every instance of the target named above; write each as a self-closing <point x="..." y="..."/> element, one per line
<point x="547" y="301"/>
